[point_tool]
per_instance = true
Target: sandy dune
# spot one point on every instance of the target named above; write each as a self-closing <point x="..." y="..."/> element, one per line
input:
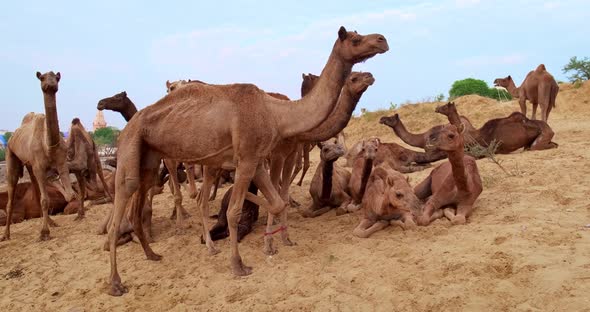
<point x="526" y="248"/>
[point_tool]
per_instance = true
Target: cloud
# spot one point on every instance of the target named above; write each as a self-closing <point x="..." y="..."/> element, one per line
<point x="484" y="60"/>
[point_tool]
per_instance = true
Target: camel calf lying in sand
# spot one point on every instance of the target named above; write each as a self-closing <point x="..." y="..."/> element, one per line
<point x="389" y="199"/>
<point x="512" y="132"/>
<point x="454" y="183"/>
<point x="329" y="185"/>
<point x="361" y="170"/>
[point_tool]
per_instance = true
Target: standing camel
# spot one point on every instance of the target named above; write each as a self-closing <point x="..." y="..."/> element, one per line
<point x="37" y="145"/>
<point x="239" y="125"/>
<point x="539" y="87"/>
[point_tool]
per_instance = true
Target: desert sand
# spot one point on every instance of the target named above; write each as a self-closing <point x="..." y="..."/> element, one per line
<point x="525" y="248"/>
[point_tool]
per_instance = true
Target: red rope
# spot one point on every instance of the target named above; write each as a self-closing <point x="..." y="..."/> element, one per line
<point x="282" y="228"/>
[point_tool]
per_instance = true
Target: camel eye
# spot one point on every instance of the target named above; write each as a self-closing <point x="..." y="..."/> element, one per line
<point x="451" y="136"/>
<point x="354" y="79"/>
<point x="399" y="195"/>
<point x="356" y="41"/>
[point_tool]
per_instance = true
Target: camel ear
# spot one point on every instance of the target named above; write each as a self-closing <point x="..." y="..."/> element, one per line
<point x="390" y="181"/>
<point x="408" y="179"/>
<point x="342" y="33"/>
<point x="124" y="93"/>
<point x="58" y="76"/>
<point x="167" y="84"/>
<point x="461" y="128"/>
<point x="509" y="77"/>
<point x="303" y="76"/>
<point x="320" y="145"/>
<point x="39" y="75"/>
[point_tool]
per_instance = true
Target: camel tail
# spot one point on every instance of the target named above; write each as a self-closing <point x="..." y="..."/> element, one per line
<point x="553" y="98"/>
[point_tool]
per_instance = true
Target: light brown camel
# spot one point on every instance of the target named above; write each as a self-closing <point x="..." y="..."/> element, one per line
<point x="37" y="145"/>
<point x="416" y="140"/>
<point x="257" y="122"/>
<point x="455" y="183"/>
<point x="539" y="87"/>
<point x="121" y="103"/>
<point x="361" y="170"/>
<point x="329" y="185"/>
<point x="83" y="161"/>
<point x="513" y="132"/>
<point x="388" y="199"/>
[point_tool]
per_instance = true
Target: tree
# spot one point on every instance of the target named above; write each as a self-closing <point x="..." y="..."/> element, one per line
<point x="476" y="86"/>
<point x="105" y="136"/>
<point x="579" y="67"/>
<point x="7" y="136"/>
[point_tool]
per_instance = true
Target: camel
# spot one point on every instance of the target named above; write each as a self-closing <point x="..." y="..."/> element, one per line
<point x="83" y="161"/>
<point x="356" y="84"/>
<point x="361" y="170"/>
<point x="257" y="123"/>
<point x="539" y="87"/>
<point x="388" y="199"/>
<point x="513" y="132"/>
<point x="416" y="140"/>
<point x="329" y="185"/>
<point x="454" y="183"/>
<point x="37" y="145"/>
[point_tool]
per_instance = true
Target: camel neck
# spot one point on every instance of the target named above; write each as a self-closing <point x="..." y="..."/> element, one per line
<point x="367" y="168"/>
<point x="303" y="115"/>
<point x="327" y="171"/>
<point x="512" y="89"/>
<point x="416" y="140"/>
<point x="454" y="118"/>
<point x="458" y="167"/>
<point x="51" y="121"/>
<point x="128" y="110"/>
<point x="336" y="121"/>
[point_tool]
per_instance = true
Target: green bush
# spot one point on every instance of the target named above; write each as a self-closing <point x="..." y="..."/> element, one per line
<point x="2" y="154"/>
<point x="476" y="86"/>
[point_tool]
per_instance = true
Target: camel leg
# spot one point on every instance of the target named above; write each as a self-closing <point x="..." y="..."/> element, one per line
<point x="288" y="166"/>
<point x="82" y="183"/>
<point x="534" y="117"/>
<point x="148" y="177"/>
<point x="209" y="175"/>
<point x="343" y="209"/>
<point x="245" y="171"/>
<point x="215" y="184"/>
<point x="14" y="168"/>
<point x="368" y="227"/>
<point x="543" y="140"/>
<point x="39" y="174"/>
<point x="449" y="213"/>
<point x="190" y="176"/>
<point x="306" y="151"/>
<point x="276" y="205"/>
<point x="317" y="212"/>
<point x="431" y="206"/>
<point x="424" y="189"/>
<point x="522" y="103"/>
<point x="463" y="211"/>
<point x="178" y="211"/>
<point x="298" y="163"/>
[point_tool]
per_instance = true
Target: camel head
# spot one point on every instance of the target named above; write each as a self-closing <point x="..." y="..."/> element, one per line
<point x="49" y="81"/>
<point x="171" y="86"/>
<point x="391" y="121"/>
<point x="403" y="200"/>
<point x="369" y="148"/>
<point x="503" y="82"/>
<point x="446" y="109"/>
<point x="330" y="151"/>
<point x="357" y="83"/>
<point x="116" y="102"/>
<point x="308" y="83"/>
<point x="448" y="138"/>
<point x="355" y="48"/>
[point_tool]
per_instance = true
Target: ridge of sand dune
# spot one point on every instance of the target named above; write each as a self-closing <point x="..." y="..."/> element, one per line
<point x="524" y="249"/>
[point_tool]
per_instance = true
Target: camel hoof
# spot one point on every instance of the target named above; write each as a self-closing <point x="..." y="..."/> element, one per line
<point x="293" y="203"/>
<point x="270" y="250"/>
<point x="340" y="211"/>
<point x="52" y="223"/>
<point x="154" y="256"/>
<point x="459" y="220"/>
<point x="117" y="290"/>
<point x="213" y="251"/>
<point x="239" y="269"/>
<point x="5" y="238"/>
<point x="79" y="217"/>
<point x="307" y="213"/>
<point x="288" y="242"/>
<point x="44" y="236"/>
<point x="423" y="220"/>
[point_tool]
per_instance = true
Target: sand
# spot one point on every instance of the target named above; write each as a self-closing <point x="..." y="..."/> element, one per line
<point x="526" y="247"/>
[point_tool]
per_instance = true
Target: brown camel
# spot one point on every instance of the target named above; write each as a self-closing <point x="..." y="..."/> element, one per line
<point x="361" y="170"/>
<point x="83" y="161"/>
<point x="388" y="199"/>
<point x="416" y="140"/>
<point x="513" y="132"/>
<point x="37" y="145"/>
<point x="455" y="183"/>
<point x="539" y="87"/>
<point x="258" y="122"/>
<point x="329" y="185"/>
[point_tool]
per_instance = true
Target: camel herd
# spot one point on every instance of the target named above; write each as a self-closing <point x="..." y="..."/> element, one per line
<point x="262" y="141"/>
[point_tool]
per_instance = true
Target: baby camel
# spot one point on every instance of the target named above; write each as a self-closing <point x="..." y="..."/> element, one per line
<point x="389" y="199"/>
<point x="329" y="185"/>
<point x="361" y="170"/>
<point x="454" y="183"/>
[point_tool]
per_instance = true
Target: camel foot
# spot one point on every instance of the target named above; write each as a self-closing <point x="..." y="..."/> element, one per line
<point x="269" y="249"/>
<point x="287" y="242"/>
<point x="423" y="220"/>
<point x="79" y="217"/>
<point x="44" y="236"/>
<point x="341" y="211"/>
<point x="117" y="289"/>
<point x="238" y="267"/>
<point x="293" y="203"/>
<point x="5" y="238"/>
<point x="52" y="223"/>
<point x="459" y="220"/>
<point x="308" y="213"/>
<point x="153" y="256"/>
<point x="213" y="251"/>
<point x="148" y="238"/>
<point x="183" y="212"/>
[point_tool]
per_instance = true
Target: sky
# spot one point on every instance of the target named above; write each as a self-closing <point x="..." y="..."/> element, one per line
<point x="104" y="47"/>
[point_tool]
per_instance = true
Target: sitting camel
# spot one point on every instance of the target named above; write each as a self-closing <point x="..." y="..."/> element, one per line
<point x="512" y="132"/>
<point x="38" y="145"/>
<point x="329" y="185"/>
<point x="83" y="161"/>
<point x="454" y="183"/>
<point x="388" y="199"/>
<point x="539" y="87"/>
<point x="361" y="170"/>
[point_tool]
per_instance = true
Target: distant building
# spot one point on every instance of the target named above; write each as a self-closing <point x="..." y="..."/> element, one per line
<point x="99" y="121"/>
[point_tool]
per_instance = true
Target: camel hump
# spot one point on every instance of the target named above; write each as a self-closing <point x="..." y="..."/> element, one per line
<point x="76" y="121"/>
<point x="28" y="117"/>
<point x="540" y="68"/>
